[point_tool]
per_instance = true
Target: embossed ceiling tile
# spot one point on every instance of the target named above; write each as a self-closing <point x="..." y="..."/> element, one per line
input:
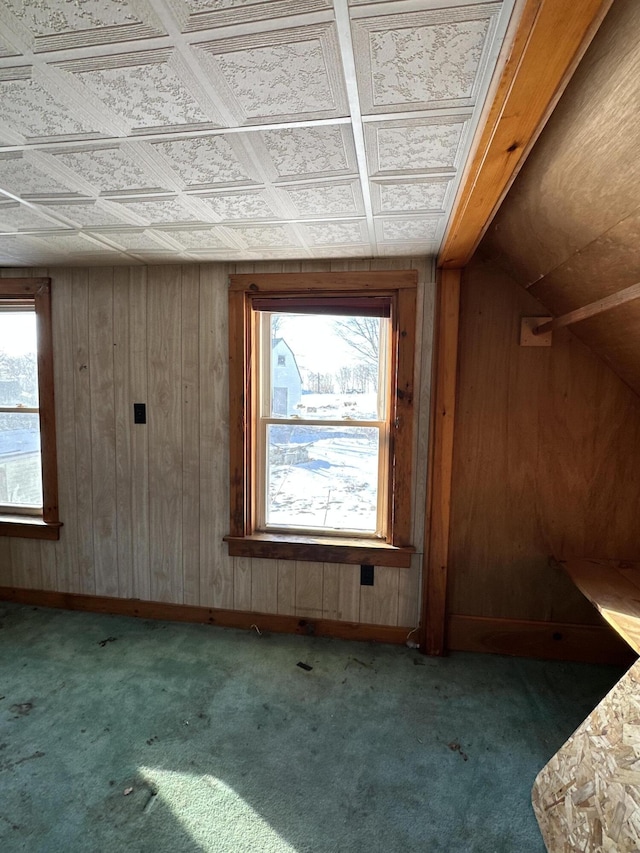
<point x="290" y="74"/>
<point x="398" y="229"/>
<point x="150" y="90"/>
<point x="195" y="15"/>
<point x="415" y="146"/>
<point x="206" y="161"/>
<point x="19" y="217"/>
<point x="336" y="233"/>
<point x="154" y="211"/>
<point x="106" y="170"/>
<point x="255" y="204"/>
<point x="266" y="236"/>
<point x="422" y="60"/>
<point x="321" y="200"/>
<point x="19" y="175"/>
<point x="87" y="215"/>
<point x="11" y="250"/>
<point x="307" y="152"/>
<point x="22" y="251"/>
<point x="61" y="25"/>
<point x="351" y="251"/>
<point x="6" y="48"/>
<point x="403" y="196"/>
<point x="72" y="244"/>
<point x="404" y="250"/>
<point x="143" y="240"/>
<point x="27" y="108"/>
<point x="192" y="238"/>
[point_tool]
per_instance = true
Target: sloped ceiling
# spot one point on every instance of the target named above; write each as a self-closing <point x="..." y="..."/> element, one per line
<point x="182" y="130"/>
<point x="569" y="230"/>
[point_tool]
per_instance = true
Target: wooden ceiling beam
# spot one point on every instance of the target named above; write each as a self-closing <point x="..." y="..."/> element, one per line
<point x="550" y="39"/>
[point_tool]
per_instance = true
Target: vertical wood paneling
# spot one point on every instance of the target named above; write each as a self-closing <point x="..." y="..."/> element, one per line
<point x="138" y="390"/>
<point x="379" y="603"/>
<point x="86" y="581"/>
<point x="409" y="586"/>
<point x="242" y="583"/>
<point x="191" y="433"/>
<point x="545" y="461"/>
<point x="216" y="567"/>
<point x="330" y="590"/>
<point x="287" y="587"/>
<point x="145" y="507"/>
<point x="25" y="557"/>
<point x="309" y="589"/>
<point x="48" y="567"/>
<point x="103" y="434"/>
<point x="341" y="592"/>
<point x="264" y="585"/>
<point x="63" y="380"/>
<point x="164" y="416"/>
<point x="6" y="562"/>
<point x="123" y="412"/>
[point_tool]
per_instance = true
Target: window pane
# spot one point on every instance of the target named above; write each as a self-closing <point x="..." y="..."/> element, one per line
<point x="20" y="471"/>
<point x="322" y="477"/>
<point x="325" y="367"/>
<point x="18" y="360"/>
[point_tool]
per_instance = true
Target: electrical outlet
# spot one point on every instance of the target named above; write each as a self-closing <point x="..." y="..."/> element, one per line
<point x="366" y="575"/>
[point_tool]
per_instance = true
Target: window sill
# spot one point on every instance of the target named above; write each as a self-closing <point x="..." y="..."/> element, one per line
<point x="319" y="549"/>
<point x="29" y="527"/>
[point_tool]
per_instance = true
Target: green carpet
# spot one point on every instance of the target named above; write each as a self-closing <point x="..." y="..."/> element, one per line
<point x="118" y="734"/>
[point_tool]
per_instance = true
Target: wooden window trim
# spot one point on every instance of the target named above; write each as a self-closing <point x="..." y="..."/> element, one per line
<point x="47" y="525"/>
<point x="243" y="540"/>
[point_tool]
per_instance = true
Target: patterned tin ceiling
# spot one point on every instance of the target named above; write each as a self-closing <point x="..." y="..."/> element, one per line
<point x="179" y="130"/>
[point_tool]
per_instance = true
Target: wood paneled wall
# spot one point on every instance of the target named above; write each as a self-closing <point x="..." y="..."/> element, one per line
<point x="145" y="507"/>
<point x="546" y="461"/>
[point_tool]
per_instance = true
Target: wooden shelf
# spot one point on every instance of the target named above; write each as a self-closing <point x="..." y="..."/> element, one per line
<point x="613" y="587"/>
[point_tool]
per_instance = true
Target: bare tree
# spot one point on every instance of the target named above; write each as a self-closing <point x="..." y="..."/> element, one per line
<point x="362" y="334"/>
<point x="344" y="378"/>
<point x="276" y="324"/>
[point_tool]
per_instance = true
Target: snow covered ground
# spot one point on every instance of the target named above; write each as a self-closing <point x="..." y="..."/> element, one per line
<point x="334" y="483"/>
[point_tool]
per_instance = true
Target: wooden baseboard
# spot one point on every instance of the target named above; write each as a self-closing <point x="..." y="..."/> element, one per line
<point x="264" y="622"/>
<point x="546" y="640"/>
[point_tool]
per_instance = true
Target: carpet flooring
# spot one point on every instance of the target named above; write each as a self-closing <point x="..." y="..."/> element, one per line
<point x="119" y="734"/>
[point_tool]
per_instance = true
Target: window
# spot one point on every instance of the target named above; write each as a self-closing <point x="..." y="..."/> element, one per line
<point x="28" y="481"/>
<point x="321" y="377"/>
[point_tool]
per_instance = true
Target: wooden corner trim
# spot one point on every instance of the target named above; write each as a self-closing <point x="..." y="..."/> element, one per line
<point x="442" y="421"/>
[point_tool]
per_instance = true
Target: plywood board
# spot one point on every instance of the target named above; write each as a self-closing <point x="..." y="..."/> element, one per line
<point x="587" y="798"/>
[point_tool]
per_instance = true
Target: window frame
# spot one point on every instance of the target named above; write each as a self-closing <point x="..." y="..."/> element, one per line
<point x="45" y="524"/>
<point x="244" y="540"/>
